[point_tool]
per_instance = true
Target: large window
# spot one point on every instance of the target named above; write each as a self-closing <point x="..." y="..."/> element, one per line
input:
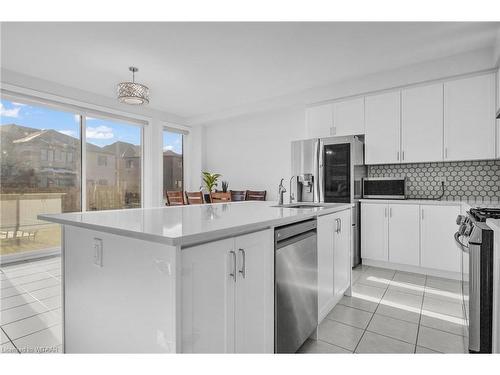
<point x="173" y="176"/>
<point x="114" y="160"/>
<point x="41" y="167"/>
<point x="40" y="173"/>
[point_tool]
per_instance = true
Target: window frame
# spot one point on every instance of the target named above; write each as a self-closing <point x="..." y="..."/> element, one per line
<point x="184" y="134"/>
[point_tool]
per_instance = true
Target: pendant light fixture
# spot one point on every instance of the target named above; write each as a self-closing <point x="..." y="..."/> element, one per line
<point x="132" y="92"/>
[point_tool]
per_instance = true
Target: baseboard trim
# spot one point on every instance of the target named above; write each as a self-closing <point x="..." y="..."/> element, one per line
<point x="414" y="269"/>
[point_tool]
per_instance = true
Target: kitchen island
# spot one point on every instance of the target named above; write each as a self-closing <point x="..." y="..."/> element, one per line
<point x="176" y="279"/>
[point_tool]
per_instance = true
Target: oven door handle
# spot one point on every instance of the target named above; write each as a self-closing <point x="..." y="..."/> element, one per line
<point x="460" y="244"/>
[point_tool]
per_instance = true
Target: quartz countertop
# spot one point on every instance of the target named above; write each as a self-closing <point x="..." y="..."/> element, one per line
<point x="187" y="225"/>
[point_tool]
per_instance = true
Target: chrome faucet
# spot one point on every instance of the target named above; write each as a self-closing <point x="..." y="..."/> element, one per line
<point x="281" y="192"/>
<point x="291" y="197"/>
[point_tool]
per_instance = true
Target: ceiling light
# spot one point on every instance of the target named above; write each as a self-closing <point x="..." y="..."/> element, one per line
<point x="131" y="92"/>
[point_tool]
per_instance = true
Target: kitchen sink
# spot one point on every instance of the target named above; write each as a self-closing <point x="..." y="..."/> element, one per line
<point x="301" y="206"/>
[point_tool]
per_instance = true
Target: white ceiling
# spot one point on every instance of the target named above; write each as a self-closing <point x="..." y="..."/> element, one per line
<point x="196" y="69"/>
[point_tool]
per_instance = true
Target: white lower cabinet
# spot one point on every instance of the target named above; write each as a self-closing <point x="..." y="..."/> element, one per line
<point x="334" y="259"/>
<point x="228" y="295"/>
<point x="420" y="236"/>
<point x="342" y="253"/>
<point x="438" y="245"/>
<point x="404" y="239"/>
<point x="374" y="231"/>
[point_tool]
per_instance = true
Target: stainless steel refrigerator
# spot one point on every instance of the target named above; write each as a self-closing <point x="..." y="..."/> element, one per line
<point x="330" y="170"/>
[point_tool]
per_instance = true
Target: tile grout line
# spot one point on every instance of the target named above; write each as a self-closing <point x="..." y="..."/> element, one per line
<point x="378" y="304"/>
<point x="420" y="316"/>
<point x="37" y="331"/>
<point x="10" y="340"/>
<point x="43" y="312"/>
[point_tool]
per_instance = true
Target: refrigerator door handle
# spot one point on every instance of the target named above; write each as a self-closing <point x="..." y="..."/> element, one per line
<point x="319" y="181"/>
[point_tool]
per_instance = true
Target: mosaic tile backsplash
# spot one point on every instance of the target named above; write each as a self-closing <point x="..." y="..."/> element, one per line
<point x="464" y="180"/>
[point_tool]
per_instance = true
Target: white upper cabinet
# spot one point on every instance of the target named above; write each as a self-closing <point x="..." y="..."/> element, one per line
<point x="469" y="118"/>
<point x="382" y="128"/>
<point x="319" y="121"/>
<point x="349" y="117"/>
<point x="422" y="124"/>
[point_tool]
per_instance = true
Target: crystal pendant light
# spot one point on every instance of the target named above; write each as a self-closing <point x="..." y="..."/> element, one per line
<point x="132" y="92"/>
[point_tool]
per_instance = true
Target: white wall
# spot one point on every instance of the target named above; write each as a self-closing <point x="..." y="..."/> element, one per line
<point x="253" y="152"/>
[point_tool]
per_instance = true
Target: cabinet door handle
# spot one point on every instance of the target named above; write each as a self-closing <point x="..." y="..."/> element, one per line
<point x="446" y="152"/>
<point x="403" y="155"/>
<point x="243" y="270"/>
<point x="397" y="155"/>
<point x="390" y="212"/>
<point x="422" y="214"/>
<point x="340" y="225"/>
<point x="385" y="211"/>
<point x="233" y="274"/>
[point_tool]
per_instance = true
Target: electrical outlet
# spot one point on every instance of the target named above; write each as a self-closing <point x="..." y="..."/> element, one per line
<point x="98" y="252"/>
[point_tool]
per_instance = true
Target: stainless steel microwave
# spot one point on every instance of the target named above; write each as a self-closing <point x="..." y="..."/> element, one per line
<point x="384" y="188"/>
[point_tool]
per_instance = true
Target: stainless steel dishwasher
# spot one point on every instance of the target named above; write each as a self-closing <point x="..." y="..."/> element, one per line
<point x="296" y="285"/>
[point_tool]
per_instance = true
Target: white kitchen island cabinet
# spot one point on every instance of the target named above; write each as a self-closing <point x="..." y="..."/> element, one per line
<point x="334" y="260"/>
<point x="193" y="279"/>
<point x="227" y="295"/>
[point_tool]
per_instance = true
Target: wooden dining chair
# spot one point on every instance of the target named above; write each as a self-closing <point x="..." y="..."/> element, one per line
<point x="237" y="195"/>
<point x="194" y="197"/>
<point x="175" y="198"/>
<point x="219" y="197"/>
<point x="255" y="195"/>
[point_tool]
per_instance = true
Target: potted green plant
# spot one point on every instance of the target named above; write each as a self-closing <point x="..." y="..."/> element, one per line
<point x="210" y="181"/>
<point x="224" y="185"/>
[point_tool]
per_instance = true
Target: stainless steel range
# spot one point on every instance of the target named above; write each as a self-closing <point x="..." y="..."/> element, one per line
<point x="475" y="241"/>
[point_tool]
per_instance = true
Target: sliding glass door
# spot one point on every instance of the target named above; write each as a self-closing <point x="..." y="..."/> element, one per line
<point x="113" y="164"/>
<point x="45" y="169"/>
<point x="40" y="173"/>
<point x="173" y="161"/>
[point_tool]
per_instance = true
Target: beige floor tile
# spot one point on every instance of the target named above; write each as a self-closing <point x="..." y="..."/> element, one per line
<point x="339" y="334"/>
<point x="410" y="278"/>
<point x="318" y="346"/>
<point x="442" y="307"/>
<point x="442" y="322"/>
<point x="14" y="301"/>
<point x="401" y="312"/>
<point x="422" y="350"/>
<point x="440" y="341"/>
<point x="21" y="312"/>
<point x="45" y="341"/>
<point x="31" y="325"/>
<point x="374" y="343"/>
<point x="448" y="285"/>
<point x="348" y="315"/>
<point x="368" y="293"/>
<point x="395" y="328"/>
<point x="359" y="303"/>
